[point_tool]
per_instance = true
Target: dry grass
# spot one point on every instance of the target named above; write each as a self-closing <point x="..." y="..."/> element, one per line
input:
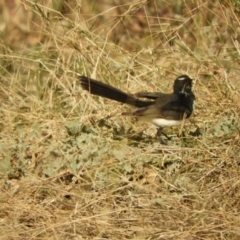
<point x="72" y="167"/>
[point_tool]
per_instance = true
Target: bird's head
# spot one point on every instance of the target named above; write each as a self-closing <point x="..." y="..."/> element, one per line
<point x="182" y="85"/>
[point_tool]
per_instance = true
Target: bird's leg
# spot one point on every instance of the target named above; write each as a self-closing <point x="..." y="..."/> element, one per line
<point x="159" y="133"/>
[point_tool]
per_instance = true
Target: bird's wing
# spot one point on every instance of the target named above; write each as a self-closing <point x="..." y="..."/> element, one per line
<point x="163" y="108"/>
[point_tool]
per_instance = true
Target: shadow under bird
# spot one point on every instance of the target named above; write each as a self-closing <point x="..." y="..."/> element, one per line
<point x="160" y="109"/>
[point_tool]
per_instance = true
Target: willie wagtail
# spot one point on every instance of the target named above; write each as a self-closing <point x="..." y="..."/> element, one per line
<point x="161" y="109"/>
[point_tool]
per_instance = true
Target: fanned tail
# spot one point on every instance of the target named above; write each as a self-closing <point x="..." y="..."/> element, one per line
<point x="104" y="90"/>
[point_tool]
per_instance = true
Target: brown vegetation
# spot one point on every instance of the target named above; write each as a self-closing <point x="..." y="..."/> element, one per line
<point x="71" y="167"/>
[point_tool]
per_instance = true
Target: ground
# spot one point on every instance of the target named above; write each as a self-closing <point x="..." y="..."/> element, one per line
<point x="72" y="167"/>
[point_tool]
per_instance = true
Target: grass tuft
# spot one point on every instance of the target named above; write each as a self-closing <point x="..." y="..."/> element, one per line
<point x="72" y="167"/>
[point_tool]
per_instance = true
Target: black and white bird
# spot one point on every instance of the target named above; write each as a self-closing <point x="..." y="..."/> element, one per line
<point x="160" y="109"/>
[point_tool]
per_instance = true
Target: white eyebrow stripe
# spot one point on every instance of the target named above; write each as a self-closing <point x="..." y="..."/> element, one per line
<point x="182" y="78"/>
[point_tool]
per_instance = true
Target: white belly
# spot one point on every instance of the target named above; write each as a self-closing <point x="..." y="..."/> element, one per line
<point x="160" y="122"/>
